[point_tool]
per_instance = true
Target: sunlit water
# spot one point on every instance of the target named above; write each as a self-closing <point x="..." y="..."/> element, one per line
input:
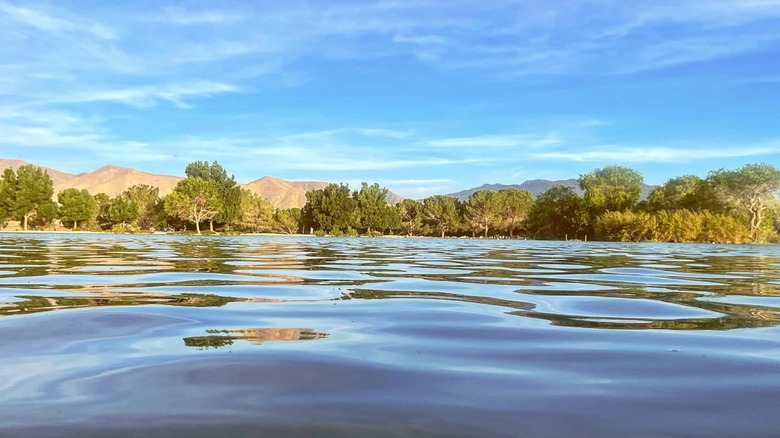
<point x="269" y="336"/>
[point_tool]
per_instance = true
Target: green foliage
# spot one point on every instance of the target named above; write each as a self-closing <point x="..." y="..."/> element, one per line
<point x="195" y="200"/>
<point x="483" y="210"/>
<point x="410" y="214"/>
<point x="688" y="192"/>
<point x="613" y="188"/>
<point x="288" y="220"/>
<point x="375" y="213"/>
<point x="103" y="202"/>
<point x="752" y="188"/>
<point x="331" y="209"/>
<point x="557" y="213"/>
<point x="7" y="194"/>
<point x="722" y="228"/>
<point x="122" y="210"/>
<point x="441" y="213"/>
<point x="76" y="205"/>
<point x="27" y="194"/>
<point x="256" y="213"/>
<point x="670" y="226"/>
<point x="147" y="198"/>
<point x="228" y="190"/>
<point x="516" y="203"/>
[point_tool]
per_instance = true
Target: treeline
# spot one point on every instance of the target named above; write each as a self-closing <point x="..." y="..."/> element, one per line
<point x="729" y="206"/>
<point x="206" y="196"/>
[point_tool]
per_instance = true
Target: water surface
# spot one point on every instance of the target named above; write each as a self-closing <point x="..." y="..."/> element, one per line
<point x="245" y="336"/>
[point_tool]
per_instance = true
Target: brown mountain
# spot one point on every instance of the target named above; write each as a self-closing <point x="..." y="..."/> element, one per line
<point x="113" y="180"/>
<point x="59" y="178"/>
<point x="284" y="194"/>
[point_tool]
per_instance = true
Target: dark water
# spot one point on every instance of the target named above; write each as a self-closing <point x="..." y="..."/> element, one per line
<point x="260" y="336"/>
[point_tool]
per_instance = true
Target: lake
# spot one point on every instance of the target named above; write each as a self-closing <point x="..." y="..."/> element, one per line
<point x="168" y="336"/>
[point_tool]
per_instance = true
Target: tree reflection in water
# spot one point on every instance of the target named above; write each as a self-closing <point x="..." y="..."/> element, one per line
<point x="223" y="338"/>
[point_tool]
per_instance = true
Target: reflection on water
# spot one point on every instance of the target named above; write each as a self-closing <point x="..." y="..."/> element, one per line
<point x="222" y="338"/>
<point x="443" y="337"/>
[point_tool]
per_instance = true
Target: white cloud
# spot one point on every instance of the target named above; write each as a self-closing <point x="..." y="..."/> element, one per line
<point x="656" y="154"/>
<point x="187" y="17"/>
<point x="47" y="22"/>
<point x="146" y="96"/>
<point x="497" y="141"/>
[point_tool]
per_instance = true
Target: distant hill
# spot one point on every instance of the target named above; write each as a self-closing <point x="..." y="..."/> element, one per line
<point x="113" y="180"/>
<point x="56" y="176"/>
<point x="536" y="187"/>
<point x="284" y="194"/>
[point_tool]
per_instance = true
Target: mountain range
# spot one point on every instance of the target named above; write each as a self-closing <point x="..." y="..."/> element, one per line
<point x="113" y="180"/>
<point x="536" y="187"/>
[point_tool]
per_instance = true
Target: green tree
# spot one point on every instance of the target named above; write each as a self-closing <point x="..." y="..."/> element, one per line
<point x="685" y="192"/>
<point x="7" y="194"/>
<point x="442" y="213"/>
<point x="228" y="190"/>
<point x="410" y="213"/>
<point x="147" y="199"/>
<point x="613" y="188"/>
<point x="753" y="188"/>
<point x="516" y="204"/>
<point x="122" y="211"/>
<point x="195" y="200"/>
<point x="332" y="209"/>
<point x="103" y="202"/>
<point x="371" y="204"/>
<point x="256" y="212"/>
<point x="557" y="213"/>
<point x="484" y="208"/>
<point x="33" y="194"/>
<point x="76" y="205"/>
<point x="288" y="220"/>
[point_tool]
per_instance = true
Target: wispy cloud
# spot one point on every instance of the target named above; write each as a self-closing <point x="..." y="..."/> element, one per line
<point x="146" y="96"/>
<point x="187" y="17"/>
<point x="656" y="154"/>
<point x="497" y="141"/>
<point x="44" y="21"/>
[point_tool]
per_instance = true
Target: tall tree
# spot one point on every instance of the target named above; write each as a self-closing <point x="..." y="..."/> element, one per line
<point x="684" y="192"/>
<point x="613" y="188"/>
<point x="331" y="209"/>
<point x="516" y="203"/>
<point x="442" y="212"/>
<point x="410" y="213"/>
<point x="484" y="208"/>
<point x="34" y="191"/>
<point x="228" y="190"/>
<point x="256" y="212"/>
<point x="195" y="200"/>
<point x="375" y="213"/>
<point x="103" y="202"/>
<point x="7" y="194"/>
<point x="146" y="198"/>
<point x="753" y="187"/>
<point x="122" y="211"/>
<point x="371" y="202"/>
<point x="557" y="213"/>
<point x="76" y="205"/>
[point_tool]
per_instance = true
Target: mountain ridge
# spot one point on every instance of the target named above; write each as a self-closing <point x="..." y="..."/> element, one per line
<point x="113" y="180"/>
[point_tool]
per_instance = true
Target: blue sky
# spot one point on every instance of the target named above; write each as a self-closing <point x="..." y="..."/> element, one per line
<point x="421" y="96"/>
